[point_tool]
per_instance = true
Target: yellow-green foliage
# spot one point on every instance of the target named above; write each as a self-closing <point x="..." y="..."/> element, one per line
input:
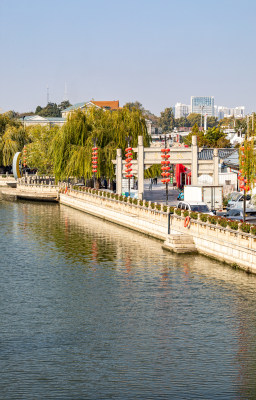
<point x="153" y="172"/>
<point x="72" y="147"/>
<point x="39" y="148"/>
<point x="12" y="138"/>
<point x="247" y="161"/>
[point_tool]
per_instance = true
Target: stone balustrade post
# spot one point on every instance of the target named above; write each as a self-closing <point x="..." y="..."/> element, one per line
<point x="140" y="163"/>
<point x="215" y="167"/>
<point x="119" y="171"/>
<point x="194" y="166"/>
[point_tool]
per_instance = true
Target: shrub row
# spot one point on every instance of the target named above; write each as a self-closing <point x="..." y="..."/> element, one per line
<point x="153" y="206"/>
<point x="212" y="219"/>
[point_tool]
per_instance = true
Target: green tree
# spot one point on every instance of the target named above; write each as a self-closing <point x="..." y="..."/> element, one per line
<point x="194" y="119"/>
<point x="166" y="120"/>
<point x="64" y="104"/>
<point x="216" y="137"/>
<point x="13" y="140"/>
<point x="72" y="146"/>
<point x="195" y="132"/>
<point x="212" y="122"/>
<point x="181" y="122"/>
<point x="134" y="105"/>
<point x="38" y="110"/>
<point x="39" y="149"/>
<point x="241" y="126"/>
<point x="51" y="110"/>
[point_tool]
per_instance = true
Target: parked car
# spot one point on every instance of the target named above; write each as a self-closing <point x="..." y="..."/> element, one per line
<point x="238" y="215"/>
<point x="197" y="206"/>
<point x="237" y="200"/>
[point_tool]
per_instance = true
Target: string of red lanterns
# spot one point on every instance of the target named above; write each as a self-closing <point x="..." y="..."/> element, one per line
<point x="165" y="166"/>
<point x="94" y="159"/>
<point x="128" y="164"/>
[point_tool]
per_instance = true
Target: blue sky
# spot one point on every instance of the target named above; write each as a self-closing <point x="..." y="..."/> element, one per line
<point x="158" y="52"/>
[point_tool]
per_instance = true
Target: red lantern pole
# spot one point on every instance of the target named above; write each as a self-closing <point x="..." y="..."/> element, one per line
<point x="94" y="162"/>
<point x="243" y="185"/>
<point x="128" y="165"/>
<point x="165" y="168"/>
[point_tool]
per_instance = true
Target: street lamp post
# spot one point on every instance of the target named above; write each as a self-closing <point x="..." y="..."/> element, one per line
<point x="201" y="124"/>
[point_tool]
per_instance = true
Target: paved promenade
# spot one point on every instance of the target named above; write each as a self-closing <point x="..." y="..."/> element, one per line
<point x="158" y="193"/>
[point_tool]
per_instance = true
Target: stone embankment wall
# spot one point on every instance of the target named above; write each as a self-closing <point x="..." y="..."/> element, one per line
<point x="40" y="188"/>
<point x="140" y="218"/>
<point x="231" y="246"/>
<point x="224" y="244"/>
<point x="4" y="179"/>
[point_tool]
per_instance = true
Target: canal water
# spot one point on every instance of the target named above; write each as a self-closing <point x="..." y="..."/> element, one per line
<point x="90" y="310"/>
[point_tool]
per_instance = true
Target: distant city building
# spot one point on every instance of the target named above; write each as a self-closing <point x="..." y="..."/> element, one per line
<point x="202" y="105"/>
<point x="181" y="110"/>
<point x="226" y="112"/>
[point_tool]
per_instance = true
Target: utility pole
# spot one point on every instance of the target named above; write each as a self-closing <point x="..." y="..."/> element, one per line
<point x="205" y="123"/>
<point x="201" y="124"/>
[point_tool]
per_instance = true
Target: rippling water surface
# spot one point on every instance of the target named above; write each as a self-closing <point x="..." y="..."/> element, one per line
<point x="93" y="311"/>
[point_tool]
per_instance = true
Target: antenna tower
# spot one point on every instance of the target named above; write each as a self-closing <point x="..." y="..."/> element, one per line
<point x="65" y="92"/>
<point x="48" y="94"/>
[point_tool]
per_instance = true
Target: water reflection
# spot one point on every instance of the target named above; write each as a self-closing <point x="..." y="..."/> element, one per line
<point x="92" y="310"/>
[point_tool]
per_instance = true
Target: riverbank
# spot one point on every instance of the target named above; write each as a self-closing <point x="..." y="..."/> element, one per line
<point x="36" y="194"/>
<point x="231" y="246"/>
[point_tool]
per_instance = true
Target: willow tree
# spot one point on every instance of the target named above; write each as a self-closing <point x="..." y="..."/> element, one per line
<point x="39" y="147"/>
<point x="13" y="140"/>
<point x="72" y="147"/>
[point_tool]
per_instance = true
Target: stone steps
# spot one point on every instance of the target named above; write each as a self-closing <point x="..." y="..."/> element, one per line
<point x="180" y="243"/>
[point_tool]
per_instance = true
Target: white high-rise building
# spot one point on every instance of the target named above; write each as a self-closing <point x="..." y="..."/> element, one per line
<point x="181" y="110"/>
<point x="227" y="112"/>
<point x="239" y="112"/>
<point x="202" y="105"/>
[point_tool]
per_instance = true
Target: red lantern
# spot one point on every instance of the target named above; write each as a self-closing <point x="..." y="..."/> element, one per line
<point x="94" y="160"/>
<point x="128" y="163"/>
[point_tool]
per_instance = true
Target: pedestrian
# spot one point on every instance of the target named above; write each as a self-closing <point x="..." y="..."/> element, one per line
<point x="150" y="183"/>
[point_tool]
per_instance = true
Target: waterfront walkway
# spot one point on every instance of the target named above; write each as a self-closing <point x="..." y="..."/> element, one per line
<point x="158" y="194"/>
